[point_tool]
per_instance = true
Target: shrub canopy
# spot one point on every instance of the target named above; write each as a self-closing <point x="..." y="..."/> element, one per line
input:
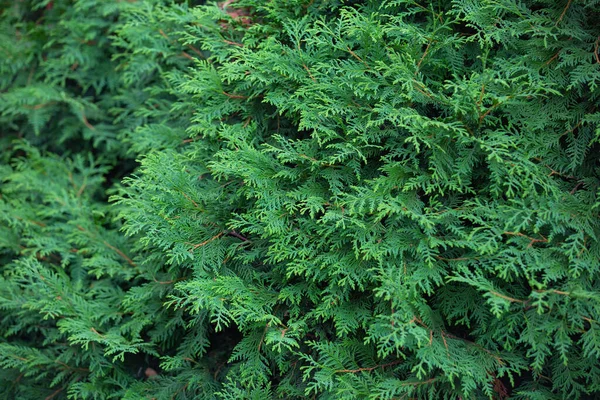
<point x="296" y="199"/>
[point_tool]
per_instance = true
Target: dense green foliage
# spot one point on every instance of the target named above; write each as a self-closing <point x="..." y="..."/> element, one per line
<point x="331" y="200"/>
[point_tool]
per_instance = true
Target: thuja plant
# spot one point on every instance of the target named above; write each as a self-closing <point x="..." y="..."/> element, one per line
<point x="335" y="200"/>
<point x="65" y="269"/>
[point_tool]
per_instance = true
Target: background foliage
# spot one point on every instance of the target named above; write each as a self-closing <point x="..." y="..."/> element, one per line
<point x="330" y="199"/>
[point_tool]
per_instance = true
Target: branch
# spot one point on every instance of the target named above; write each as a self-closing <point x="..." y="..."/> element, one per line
<point x="87" y="123"/>
<point x="190" y="199"/>
<point x="356" y="56"/>
<point x="511" y="299"/>
<point x="533" y="240"/>
<point x="119" y="252"/>
<point x="96" y="332"/>
<point x="353" y="371"/>
<point x="422" y="57"/>
<point x="419" y="383"/>
<point x="563" y="13"/>
<point x="195" y="246"/>
<point x="233" y="43"/>
<point x="234" y="96"/>
<point x="57" y="391"/>
<point x="237" y="235"/>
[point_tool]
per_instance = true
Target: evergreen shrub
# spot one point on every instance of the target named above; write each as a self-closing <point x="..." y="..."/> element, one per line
<point x="330" y="199"/>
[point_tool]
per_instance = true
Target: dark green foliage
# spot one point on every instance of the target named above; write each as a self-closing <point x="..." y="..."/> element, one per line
<point x="334" y="200"/>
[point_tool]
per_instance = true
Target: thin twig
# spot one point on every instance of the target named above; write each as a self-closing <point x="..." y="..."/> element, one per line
<point x="194" y="247"/>
<point x="186" y="55"/>
<point x="422" y="57"/>
<point x="86" y="122"/>
<point x="356" y="56"/>
<point x="533" y="240"/>
<point x="553" y="58"/>
<point x="564" y="12"/>
<point x="57" y="391"/>
<point x="190" y="199"/>
<point x="576" y="187"/>
<point x="511" y="299"/>
<point x="96" y="332"/>
<point x="237" y="235"/>
<point x="353" y="371"/>
<point x="234" y="96"/>
<point x="313" y="78"/>
<point x="419" y="383"/>
<point x="262" y="339"/>
<point x="119" y="252"/>
<point x="233" y="43"/>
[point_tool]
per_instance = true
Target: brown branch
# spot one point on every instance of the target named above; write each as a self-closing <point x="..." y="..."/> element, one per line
<point x="309" y="74"/>
<point x="168" y="282"/>
<point x="357" y="57"/>
<point x="419" y="383"/>
<point x="57" y="391"/>
<point x="38" y="223"/>
<point x="445" y="344"/>
<point x="489" y="110"/>
<point x="186" y="55"/>
<point x="81" y="189"/>
<point x="96" y="332"/>
<point x="422" y="57"/>
<point x="87" y="123"/>
<point x="564" y="12"/>
<point x="39" y="106"/>
<point x="481" y="95"/>
<point x="588" y="319"/>
<point x="234" y="96"/>
<point x="71" y="368"/>
<point x="195" y="50"/>
<point x="237" y="235"/>
<point x="233" y="43"/>
<point x="511" y="299"/>
<point x="195" y="246"/>
<point x="553" y="58"/>
<point x="560" y="292"/>
<point x="163" y="34"/>
<point x="353" y="371"/>
<point x="190" y="199"/>
<point x="553" y="172"/>
<point x="572" y="129"/>
<point x="183" y="389"/>
<point x="183" y="53"/>
<point x="221" y="365"/>
<point x="498" y="358"/>
<point x="72" y="180"/>
<point x="119" y="252"/>
<point x="596" y="50"/>
<point x="262" y="339"/>
<point x="533" y="240"/>
<point x="420" y="90"/>
<point x="576" y="187"/>
<point x="457" y="258"/>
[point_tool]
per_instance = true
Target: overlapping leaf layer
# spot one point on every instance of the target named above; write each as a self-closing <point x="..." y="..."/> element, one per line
<point x="298" y="199"/>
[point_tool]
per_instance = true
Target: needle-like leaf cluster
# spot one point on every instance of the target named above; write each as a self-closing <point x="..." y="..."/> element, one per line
<point x="332" y="199"/>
